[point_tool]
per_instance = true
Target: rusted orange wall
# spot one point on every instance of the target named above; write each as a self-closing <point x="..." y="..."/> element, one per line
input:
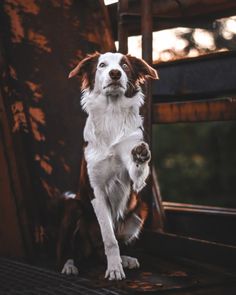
<point x="41" y="42"/>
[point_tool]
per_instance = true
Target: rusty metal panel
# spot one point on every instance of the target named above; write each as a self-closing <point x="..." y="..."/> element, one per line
<point x="10" y="232"/>
<point x="41" y="42"/>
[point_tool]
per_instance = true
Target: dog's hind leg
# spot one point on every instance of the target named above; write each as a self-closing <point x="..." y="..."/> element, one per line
<point x="67" y="233"/>
<point x="129" y="262"/>
<point x="130" y="228"/>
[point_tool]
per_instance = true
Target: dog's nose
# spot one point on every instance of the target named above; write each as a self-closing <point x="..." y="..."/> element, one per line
<point x="115" y="74"/>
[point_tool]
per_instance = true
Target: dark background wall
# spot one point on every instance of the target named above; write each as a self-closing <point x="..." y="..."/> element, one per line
<point x="41" y="41"/>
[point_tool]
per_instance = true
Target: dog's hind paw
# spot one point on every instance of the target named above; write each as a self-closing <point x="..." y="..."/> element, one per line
<point x="130" y="262"/>
<point x="69" y="268"/>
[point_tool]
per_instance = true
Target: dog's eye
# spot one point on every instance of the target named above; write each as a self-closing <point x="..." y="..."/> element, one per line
<point x="102" y="65"/>
<point x="125" y="67"/>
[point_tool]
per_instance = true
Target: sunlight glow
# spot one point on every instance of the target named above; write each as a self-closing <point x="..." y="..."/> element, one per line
<point x="204" y="39"/>
<point x="107" y="2"/>
<point x="172" y="44"/>
<point x="184" y="42"/>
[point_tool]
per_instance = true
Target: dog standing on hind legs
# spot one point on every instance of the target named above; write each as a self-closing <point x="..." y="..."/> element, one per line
<point x="115" y="164"/>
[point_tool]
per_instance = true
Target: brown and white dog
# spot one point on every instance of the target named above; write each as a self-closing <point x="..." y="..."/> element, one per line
<point x="107" y="208"/>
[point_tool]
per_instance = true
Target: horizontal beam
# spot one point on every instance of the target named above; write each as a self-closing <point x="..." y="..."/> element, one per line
<point x="197" y="78"/>
<point x="172" y="9"/>
<point x="168" y="244"/>
<point x="169" y="13"/>
<point x="218" y="110"/>
<point x="189" y="220"/>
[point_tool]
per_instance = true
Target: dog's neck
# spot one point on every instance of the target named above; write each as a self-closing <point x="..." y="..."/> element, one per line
<point x="111" y="117"/>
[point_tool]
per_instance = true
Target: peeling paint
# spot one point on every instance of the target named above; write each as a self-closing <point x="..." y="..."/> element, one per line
<point x="36" y="133"/>
<point x="38" y="115"/>
<point x="12" y="72"/>
<point x="39" y="40"/>
<point x="17" y="30"/>
<point x="28" y="6"/>
<point x="19" y="118"/>
<point x="65" y="165"/>
<point x="51" y="191"/>
<point x="36" y="90"/>
<point x="67" y="168"/>
<point x="44" y="164"/>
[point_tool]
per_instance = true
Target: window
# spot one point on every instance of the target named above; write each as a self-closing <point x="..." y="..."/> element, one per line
<point x="196" y="162"/>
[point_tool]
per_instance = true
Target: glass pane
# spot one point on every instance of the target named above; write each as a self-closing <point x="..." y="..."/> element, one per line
<point x="196" y="162"/>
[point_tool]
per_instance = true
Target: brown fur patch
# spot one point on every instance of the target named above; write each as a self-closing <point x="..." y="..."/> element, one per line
<point x="137" y="71"/>
<point x="132" y="87"/>
<point x="87" y="68"/>
<point x="141" y="70"/>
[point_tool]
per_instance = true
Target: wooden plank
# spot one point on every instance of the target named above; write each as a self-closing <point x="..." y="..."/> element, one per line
<point x="198" y="78"/>
<point x="200" y="250"/>
<point x="169" y="14"/>
<point x="218" y="224"/>
<point x="146" y="28"/>
<point x="190" y="8"/>
<point x="212" y="210"/>
<point x="122" y="30"/>
<point x="222" y="110"/>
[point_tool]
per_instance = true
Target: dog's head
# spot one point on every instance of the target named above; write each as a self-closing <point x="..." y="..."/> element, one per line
<point x="113" y="74"/>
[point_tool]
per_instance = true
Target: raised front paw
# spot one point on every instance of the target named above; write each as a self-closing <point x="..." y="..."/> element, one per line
<point x="141" y="153"/>
<point x="114" y="269"/>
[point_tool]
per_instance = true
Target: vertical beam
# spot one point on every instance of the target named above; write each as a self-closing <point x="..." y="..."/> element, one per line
<point x="14" y="222"/>
<point x="122" y="29"/>
<point x="146" y="29"/>
<point x="157" y="218"/>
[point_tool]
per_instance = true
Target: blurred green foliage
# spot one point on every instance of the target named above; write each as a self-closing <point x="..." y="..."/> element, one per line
<point x="196" y="162"/>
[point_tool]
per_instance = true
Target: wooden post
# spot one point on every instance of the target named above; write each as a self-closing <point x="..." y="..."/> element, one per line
<point x="146" y="29"/>
<point x="122" y="30"/>
<point x="157" y="218"/>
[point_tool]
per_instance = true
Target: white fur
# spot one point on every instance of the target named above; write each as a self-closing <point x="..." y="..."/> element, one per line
<point x="70" y="268"/>
<point x="129" y="262"/>
<point x="69" y="195"/>
<point x="112" y="130"/>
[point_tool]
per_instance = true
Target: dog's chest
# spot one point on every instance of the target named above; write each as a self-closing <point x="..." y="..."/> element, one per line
<point x="111" y="125"/>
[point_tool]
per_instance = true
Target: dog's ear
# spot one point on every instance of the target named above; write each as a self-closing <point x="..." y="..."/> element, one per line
<point x="86" y="68"/>
<point x="141" y="69"/>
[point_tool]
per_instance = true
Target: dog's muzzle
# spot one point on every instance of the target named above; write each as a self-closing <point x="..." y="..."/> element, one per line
<point x="115" y="74"/>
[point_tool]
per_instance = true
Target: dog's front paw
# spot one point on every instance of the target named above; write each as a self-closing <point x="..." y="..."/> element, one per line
<point x="141" y="153"/>
<point x="114" y="268"/>
<point x="69" y="268"/>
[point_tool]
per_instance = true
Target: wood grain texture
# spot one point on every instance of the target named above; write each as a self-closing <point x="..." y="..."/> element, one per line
<point x="221" y="110"/>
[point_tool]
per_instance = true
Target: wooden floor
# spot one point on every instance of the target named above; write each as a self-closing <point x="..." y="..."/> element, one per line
<point x="156" y="276"/>
<point x="169" y="276"/>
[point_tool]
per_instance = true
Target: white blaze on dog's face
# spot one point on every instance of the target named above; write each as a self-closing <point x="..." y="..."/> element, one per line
<point x="110" y="78"/>
<point x="113" y="74"/>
